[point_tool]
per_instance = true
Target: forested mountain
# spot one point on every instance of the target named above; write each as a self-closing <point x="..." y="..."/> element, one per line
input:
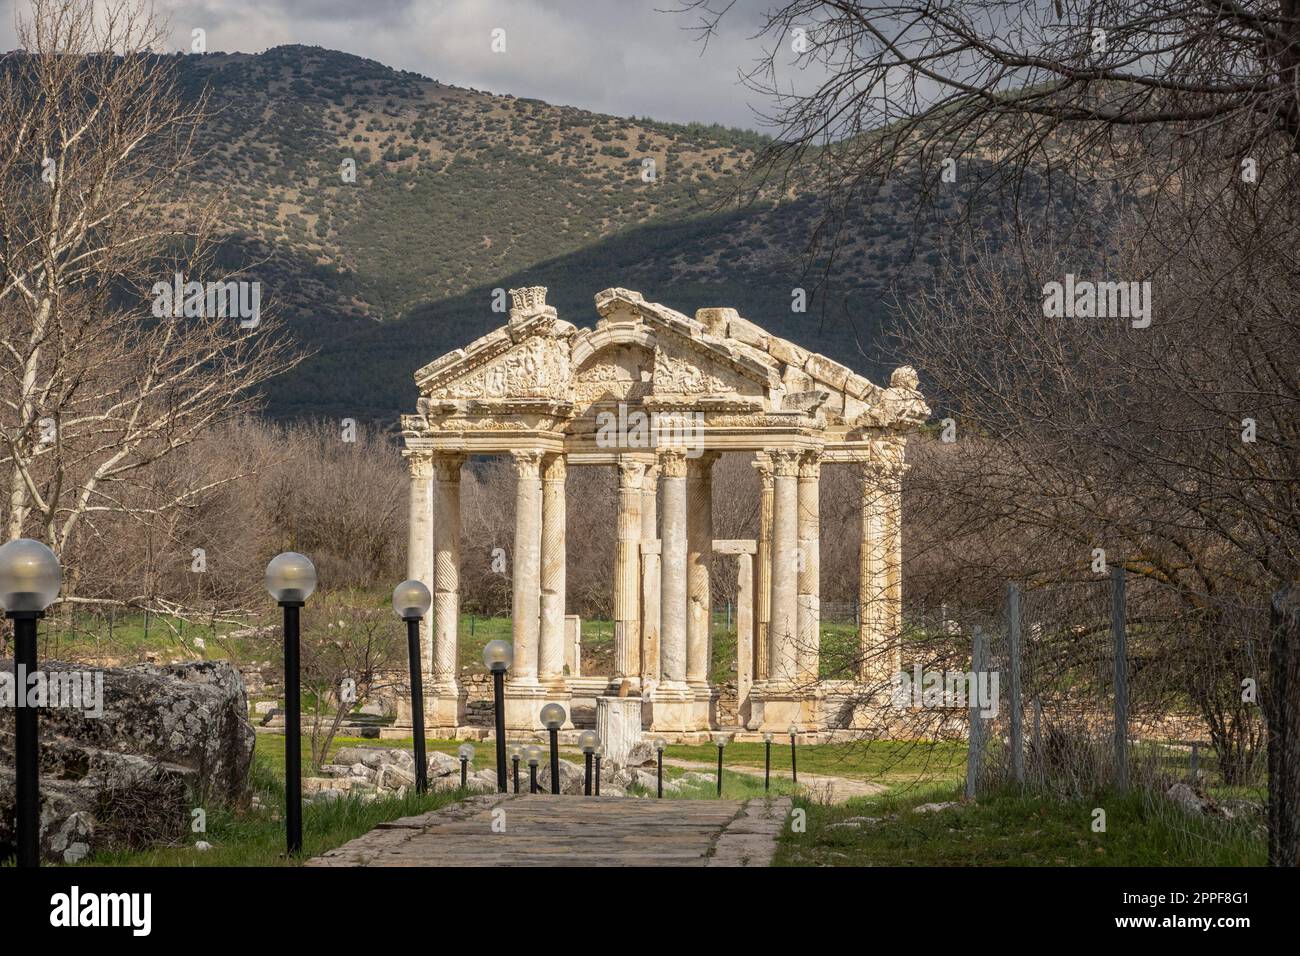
<point x="458" y="192"/>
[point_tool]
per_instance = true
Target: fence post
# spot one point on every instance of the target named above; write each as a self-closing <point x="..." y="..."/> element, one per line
<point x="975" y="751"/>
<point x="1013" y="638"/>
<point x="1196" y="759"/>
<point x="1038" y="737"/>
<point x="1121" y="675"/>
<point x="1283" y="738"/>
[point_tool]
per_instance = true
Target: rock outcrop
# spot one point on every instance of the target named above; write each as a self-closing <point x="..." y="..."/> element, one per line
<point x="170" y="738"/>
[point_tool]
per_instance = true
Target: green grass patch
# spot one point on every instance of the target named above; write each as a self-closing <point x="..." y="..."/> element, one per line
<point x="1014" y="829"/>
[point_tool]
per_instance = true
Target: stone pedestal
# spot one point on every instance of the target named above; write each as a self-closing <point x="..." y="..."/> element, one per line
<point x="618" y="721"/>
<point x="672" y="707"/>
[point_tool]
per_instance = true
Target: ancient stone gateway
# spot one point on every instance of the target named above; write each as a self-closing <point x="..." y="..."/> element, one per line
<point x="660" y="396"/>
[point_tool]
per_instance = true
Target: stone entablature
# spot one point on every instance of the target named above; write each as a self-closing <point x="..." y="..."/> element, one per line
<point x="682" y="391"/>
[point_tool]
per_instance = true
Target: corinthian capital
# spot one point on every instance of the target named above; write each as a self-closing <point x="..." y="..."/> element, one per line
<point x="419" y="463"/>
<point x="672" y="463"/>
<point x="528" y="464"/>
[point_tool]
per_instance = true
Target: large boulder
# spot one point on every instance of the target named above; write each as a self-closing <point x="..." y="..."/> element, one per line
<point x="165" y="739"/>
<point x="572" y="777"/>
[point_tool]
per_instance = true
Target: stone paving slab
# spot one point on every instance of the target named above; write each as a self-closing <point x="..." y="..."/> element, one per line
<point x="546" y="830"/>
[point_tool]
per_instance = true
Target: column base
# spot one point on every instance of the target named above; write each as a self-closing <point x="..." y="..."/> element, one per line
<point x="776" y="707"/>
<point x="704" y="711"/>
<point x="672" y="708"/>
<point x="524" y="703"/>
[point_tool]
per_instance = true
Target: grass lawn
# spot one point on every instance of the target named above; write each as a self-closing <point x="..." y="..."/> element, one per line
<point x="894" y="763"/>
<point x="1011" y="829"/>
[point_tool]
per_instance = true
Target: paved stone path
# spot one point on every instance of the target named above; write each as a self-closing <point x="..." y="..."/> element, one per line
<point x="545" y="830"/>
<point x="821" y="787"/>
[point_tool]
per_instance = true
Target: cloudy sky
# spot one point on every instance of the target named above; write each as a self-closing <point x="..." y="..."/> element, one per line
<point x="622" y="57"/>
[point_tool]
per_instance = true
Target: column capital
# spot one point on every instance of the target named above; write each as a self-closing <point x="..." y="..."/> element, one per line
<point x="810" y="464"/>
<point x="419" y="462"/>
<point x="555" y="468"/>
<point x="701" y="465"/>
<point x="785" y="462"/>
<point x="630" y="473"/>
<point x="650" y="477"/>
<point x="446" y="466"/>
<point x="672" y="463"/>
<point x="528" y="464"/>
<point x="762" y="464"/>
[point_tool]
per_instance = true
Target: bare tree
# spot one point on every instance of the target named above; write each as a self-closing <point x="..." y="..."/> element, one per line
<point x="97" y="221"/>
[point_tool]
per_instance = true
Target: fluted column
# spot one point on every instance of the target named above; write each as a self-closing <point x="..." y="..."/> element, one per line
<point x="627" y="574"/>
<point x="672" y="580"/>
<point x="763" y="589"/>
<point x="649" y="575"/>
<point x="550" y="667"/>
<point x="446" y="704"/>
<point x="699" y="563"/>
<point x="783" y="627"/>
<point x="526" y="604"/>
<point x="879" y="585"/>
<point x="809" y="598"/>
<point x="419" y="541"/>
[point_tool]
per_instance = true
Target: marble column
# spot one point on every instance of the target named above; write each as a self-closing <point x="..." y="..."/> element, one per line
<point x="524" y="695"/>
<point x="649" y="576"/>
<point x="699" y="563"/>
<point x="809" y="599"/>
<point x="673" y="700"/>
<point x="877" y="634"/>
<point x="627" y="575"/>
<point x="448" y="703"/>
<point x="419" y="557"/>
<point x="783" y="626"/>
<point x="763" y="590"/>
<point x="550" y="655"/>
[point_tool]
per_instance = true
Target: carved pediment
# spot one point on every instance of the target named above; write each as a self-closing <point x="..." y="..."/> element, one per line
<point x="536" y="367"/>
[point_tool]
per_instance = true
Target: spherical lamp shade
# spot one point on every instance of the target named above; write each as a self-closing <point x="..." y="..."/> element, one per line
<point x="767" y="738"/>
<point x="29" y="576"/>
<point x="553" y="716"/>
<point x="411" y="600"/>
<point x="598" y="752"/>
<point x="498" y="656"/>
<point x="588" y="741"/>
<point x="720" y="740"/>
<point x="660" y="744"/>
<point x="466" y="752"/>
<point x="534" y="754"/>
<point x="291" y="577"/>
<point x="516" y="751"/>
<point x="794" y="729"/>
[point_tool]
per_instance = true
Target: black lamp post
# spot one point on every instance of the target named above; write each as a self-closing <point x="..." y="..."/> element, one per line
<point x="599" y="752"/>
<point x="30" y="578"/>
<point x="552" y="717"/>
<point x="767" y="762"/>
<point x="589" y="740"/>
<point x="411" y="601"/>
<point x="290" y="579"/>
<point x="466" y="754"/>
<point x="498" y="656"/>
<point x="516" y="752"/>
<point x="660" y="744"/>
<point x="534" y="758"/>
<point x="721" y="741"/>
<point x="794" y="759"/>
